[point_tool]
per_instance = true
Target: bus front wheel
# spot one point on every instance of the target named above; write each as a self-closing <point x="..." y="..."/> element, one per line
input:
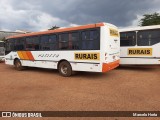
<point x="18" y="65"/>
<point x="65" y="69"/>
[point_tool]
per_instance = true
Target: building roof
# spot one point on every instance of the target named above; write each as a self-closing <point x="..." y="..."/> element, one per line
<point x="4" y="34"/>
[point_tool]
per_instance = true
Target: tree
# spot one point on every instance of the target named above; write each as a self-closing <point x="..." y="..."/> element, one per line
<point x="53" y="27"/>
<point x="150" y="19"/>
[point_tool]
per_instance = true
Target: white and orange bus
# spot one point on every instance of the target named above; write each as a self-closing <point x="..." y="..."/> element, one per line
<point x="140" y="45"/>
<point x="92" y="48"/>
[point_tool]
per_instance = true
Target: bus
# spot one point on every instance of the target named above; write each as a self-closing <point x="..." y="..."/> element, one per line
<point x="2" y="51"/>
<point x="90" y="48"/>
<point x="140" y="46"/>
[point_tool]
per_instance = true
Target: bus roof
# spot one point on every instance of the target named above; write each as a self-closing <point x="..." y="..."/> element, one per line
<point x="59" y="30"/>
<point x="140" y="28"/>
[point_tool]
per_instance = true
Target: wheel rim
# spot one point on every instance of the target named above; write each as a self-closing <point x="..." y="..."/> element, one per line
<point x="64" y="69"/>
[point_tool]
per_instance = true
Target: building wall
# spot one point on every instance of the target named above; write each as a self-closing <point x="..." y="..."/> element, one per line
<point x="4" y="34"/>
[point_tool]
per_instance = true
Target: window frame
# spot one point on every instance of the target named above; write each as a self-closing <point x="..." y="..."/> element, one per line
<point x="22" y="42"/>
<point x="33" y="48"/>
<point x="57" y="35"/>
<point x="72" y="42"/>
<point x="48" y="35"/>
<point x="133" y="41"/>
<point x="147" y="38"/>
<point x="61" y="42"/>
<point x="9" y="44"/>
<point x="97" y="40"/>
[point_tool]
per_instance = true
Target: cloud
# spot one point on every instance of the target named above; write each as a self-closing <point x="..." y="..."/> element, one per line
<point x="43" y="21"/>
<point x="26" y="19"/>
<point x="40" y="15"/>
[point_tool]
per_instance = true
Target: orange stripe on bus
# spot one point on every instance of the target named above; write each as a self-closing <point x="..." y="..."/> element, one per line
<point x="20" y="55"/>
<point x="106" y="67"/>
<point x="25" y="55"/>
<point x="29" y="54"/>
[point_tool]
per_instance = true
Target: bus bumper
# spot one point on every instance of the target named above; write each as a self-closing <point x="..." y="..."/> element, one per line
<point x="109" y="66"/>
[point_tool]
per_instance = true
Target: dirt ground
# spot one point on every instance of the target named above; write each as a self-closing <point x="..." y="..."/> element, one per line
<point x="123" y="89"/>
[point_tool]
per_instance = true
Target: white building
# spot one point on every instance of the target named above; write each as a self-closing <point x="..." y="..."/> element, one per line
<point x="4" y="34"/>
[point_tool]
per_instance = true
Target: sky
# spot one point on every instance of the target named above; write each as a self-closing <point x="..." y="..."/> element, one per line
<point x="39" y="15"/>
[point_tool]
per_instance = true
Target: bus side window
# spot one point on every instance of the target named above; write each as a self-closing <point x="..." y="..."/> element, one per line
<point x="19" y="44"/>
<point x="85" y="37"/>
<point x="10" y="45"/>
<point x="44" y="43"/>
<point x="49" y="42"/>
<point x="64" y="41"/>
<point x="128" y="38"/>
<point x="90" y="40"/>
<point x="53" y="42"/>
<point x="154" y="36"/>
<point x="94" y="40"/>
<point x="36" y="43"/>
<point x="29" y="43"/>
<point x="149" y="37"/>
<point x="74" y="41"/>
<point x="143" y="38"/>
<point x="32" y="43"/>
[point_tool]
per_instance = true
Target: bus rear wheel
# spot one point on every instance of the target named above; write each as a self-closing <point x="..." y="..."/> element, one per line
<point x="18" y="65"/>
<point x="65" y="69"/>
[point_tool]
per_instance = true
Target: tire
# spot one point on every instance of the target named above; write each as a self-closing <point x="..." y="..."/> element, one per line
<point x="18" y="65"/>
<point x="65" y="69"/>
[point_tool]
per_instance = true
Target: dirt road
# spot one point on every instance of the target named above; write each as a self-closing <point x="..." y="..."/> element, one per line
<point x="122" y="89"/>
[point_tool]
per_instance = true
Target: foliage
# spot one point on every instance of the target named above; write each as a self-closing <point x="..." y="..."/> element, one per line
<point x="150" y="19"/>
